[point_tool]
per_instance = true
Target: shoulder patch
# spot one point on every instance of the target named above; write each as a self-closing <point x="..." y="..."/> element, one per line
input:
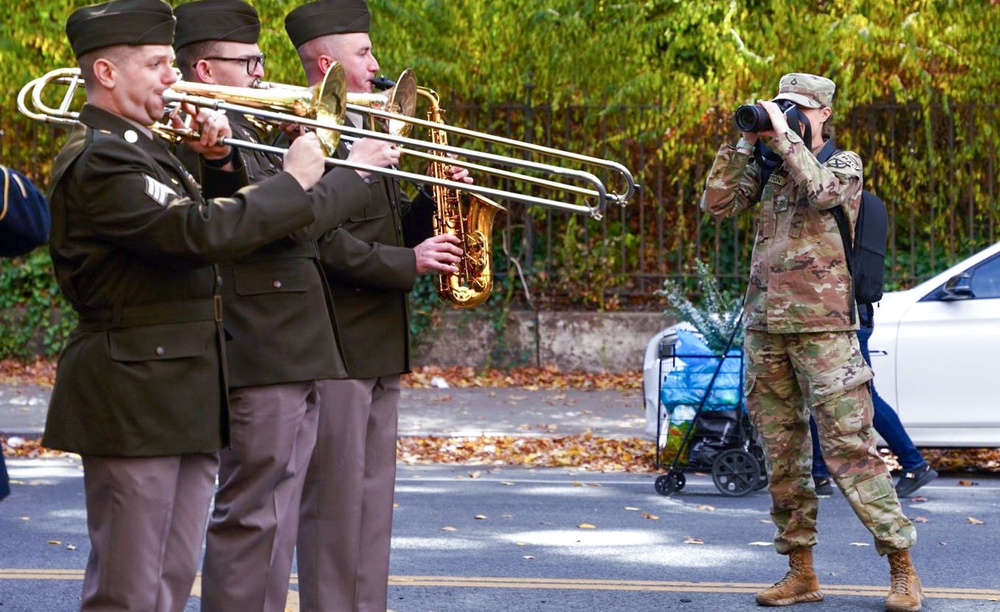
<point x="160" y="193"/>
<point x="845" y="159"/>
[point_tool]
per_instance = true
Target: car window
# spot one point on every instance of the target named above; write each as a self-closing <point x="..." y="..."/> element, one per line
<point x="986" y="279"/>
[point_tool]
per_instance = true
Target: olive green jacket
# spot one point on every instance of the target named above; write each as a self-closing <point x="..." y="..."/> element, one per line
<point x="371" y="267"/>
<point x="132" y="244"/>
<point x="276" y="307"/>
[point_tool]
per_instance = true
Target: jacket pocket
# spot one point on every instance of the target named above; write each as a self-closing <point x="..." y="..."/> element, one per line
<point x="156" y="343"/>
<point x="272" y="277"/>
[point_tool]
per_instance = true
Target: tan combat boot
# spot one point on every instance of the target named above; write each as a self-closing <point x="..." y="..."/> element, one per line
<point x="799" y="585"/>
<point x="906" y="594"/>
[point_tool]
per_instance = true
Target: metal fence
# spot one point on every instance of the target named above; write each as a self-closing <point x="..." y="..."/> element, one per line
<point x="935" y="168"/>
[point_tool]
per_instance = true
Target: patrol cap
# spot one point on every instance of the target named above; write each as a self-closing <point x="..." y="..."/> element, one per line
<point x="324" y="17"/>
<point x="120" y="22"/>
<point x="806" y="90"/>
<point x="228" y="20"/>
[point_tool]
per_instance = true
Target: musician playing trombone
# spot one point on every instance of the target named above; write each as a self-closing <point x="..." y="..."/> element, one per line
<point x="371" y="263"/>
<point x="281" y="335"/>
<point x="140" y="387"/>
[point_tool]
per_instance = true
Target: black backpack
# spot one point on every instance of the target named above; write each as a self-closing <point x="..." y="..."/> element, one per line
<point x="866" y="256"/>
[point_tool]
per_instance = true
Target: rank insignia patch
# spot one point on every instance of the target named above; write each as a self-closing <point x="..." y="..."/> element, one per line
<point x="161" y="193"/>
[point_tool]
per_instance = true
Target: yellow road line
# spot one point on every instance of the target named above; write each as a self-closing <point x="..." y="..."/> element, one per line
<point x="493" y="582"/>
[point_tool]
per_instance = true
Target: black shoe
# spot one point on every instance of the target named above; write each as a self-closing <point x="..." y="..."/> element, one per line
<point x="823" y="485"/>
<point x="909" y="482"/>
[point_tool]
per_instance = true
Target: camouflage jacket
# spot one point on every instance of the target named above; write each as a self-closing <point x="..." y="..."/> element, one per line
<point x="799" y="280"/>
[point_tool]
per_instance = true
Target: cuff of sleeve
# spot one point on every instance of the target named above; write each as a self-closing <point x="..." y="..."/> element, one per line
<point x="783" y="143"/>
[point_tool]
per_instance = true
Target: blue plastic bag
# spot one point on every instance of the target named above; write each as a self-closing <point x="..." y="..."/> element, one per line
<point x="694" y="367"/>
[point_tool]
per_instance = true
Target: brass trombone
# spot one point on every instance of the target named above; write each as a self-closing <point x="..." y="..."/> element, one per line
<point x="404" y="113"/>
<point x="322" y="108"/>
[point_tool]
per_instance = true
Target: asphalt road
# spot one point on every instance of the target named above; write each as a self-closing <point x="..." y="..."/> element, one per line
<point x="474" y="538"/>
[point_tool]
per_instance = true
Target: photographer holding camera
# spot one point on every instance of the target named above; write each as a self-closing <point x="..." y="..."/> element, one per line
<point x="801" y="350"/>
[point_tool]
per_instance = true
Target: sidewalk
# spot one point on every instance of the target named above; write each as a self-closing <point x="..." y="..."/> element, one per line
<point x="507" y="411"/>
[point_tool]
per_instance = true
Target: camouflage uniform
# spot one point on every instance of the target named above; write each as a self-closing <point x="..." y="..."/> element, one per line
<point x="801" y="350"/>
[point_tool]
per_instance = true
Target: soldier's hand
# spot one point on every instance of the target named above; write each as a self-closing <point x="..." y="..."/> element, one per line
<point x="373" y="152"/>
<point x="441" y="253"/>
<point x="212" y="126"/>
<point x="305" y="160"/>
<point x="778" y="121"/>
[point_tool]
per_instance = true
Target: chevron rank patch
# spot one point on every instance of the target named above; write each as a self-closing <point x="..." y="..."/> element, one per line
<point x="160" y="193"/>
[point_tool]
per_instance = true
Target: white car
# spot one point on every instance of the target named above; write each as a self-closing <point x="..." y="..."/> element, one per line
<point x="935" y="352"/>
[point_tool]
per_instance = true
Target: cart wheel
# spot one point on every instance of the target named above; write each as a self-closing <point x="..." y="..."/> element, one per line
<point x="735" y="472"/>
<point x="671" y="482"/>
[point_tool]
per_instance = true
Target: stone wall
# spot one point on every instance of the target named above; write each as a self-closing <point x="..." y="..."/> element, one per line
<point x="589" y="341"/>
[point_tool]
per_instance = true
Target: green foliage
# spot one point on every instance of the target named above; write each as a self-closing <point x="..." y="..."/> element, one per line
<point x="33" y="314"/>
<point x="589" y="266"/>
<point x="715" y="314"/>
<point x="652" y="83"/>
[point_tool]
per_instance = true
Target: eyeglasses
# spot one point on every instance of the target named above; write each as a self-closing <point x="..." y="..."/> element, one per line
<point x="252" y="61"/>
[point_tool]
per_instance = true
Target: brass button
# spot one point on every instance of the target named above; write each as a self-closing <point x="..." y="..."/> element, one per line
<point x="159" y="351"/>
<point x="277" y="284"/>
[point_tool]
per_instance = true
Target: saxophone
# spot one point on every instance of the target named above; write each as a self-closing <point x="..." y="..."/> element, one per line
<point x="466" y="215"/>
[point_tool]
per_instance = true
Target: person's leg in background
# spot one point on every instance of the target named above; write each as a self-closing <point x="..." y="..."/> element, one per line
<point x="820" y="473"/>
<point x="916" y="471"/>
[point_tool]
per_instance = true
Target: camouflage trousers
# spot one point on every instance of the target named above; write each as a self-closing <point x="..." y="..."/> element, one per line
<point x="789" y="376"/>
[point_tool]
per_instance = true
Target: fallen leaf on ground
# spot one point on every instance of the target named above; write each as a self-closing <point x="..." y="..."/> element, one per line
<point x="920" y="519"/>
<point x="693" y="541"/>
<point x="586" y="526"/>
<point x="918" y="499"/>
<point x="480" y="517"/>
<point x="705" y="508"/>
<point x="976" y="521"/>
<point x="631" y="508"/>
<point x="967" y="483"/>
<point x="649" y="516"/>
<point x="449" y="528"/>
<point x="55" y="542"/>
<point x="528" y="557"/>
<point x="70" y="547"/>
<point x="475" y="474"/>
<point x="761" y="543"/>
<point x="860" y="544"/>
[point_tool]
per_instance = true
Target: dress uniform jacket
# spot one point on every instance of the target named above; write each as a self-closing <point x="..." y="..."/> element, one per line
<point x="370" y="265"/>
<point x="276" y="307"/>
<point x="799" y="281"/>
<point x="132" y="245"/>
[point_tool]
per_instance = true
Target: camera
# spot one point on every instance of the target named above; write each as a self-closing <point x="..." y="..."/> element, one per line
<point x="753" y="117"/>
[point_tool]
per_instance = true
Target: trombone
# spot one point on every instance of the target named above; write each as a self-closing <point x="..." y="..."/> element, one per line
<point x="324" y="109"/>
<point x="369" y="103"/>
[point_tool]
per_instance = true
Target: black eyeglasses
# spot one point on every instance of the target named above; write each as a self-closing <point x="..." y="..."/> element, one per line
<point x="252" y="61"/>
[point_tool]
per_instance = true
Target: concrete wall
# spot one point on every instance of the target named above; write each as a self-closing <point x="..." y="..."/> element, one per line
<point x="589" y="341"/>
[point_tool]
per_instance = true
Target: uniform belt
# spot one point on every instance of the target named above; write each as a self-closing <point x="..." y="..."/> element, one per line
<point x="187" y="311"/>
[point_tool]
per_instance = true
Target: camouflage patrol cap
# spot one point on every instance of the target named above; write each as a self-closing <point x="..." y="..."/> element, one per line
<point x="120" y="22"/>
<point x="228" y="20"/>
<point x="806" y="90"/>
<point x="324" y="17"/>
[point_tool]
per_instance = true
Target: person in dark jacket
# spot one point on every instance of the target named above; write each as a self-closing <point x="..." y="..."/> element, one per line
<point x="24" y="225"/>
<point x="24" y="215"/>
<point x="140" y="390"/>
<point x="281" y="336"/>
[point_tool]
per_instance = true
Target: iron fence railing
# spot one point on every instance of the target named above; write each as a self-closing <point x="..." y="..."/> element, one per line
<point x="935" y="168"/>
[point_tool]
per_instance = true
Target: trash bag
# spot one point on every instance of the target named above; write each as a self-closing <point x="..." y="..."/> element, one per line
<point x="694" y="368"/>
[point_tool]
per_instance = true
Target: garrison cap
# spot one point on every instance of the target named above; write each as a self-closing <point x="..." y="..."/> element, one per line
<point x="229" y="20"/>
<point x="806" y="90"/>
<point x="120" y="22"/>
<point x="324" y="17"/>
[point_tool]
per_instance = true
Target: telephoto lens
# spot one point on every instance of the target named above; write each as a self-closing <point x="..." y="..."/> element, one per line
<point x="752" y="118"/>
